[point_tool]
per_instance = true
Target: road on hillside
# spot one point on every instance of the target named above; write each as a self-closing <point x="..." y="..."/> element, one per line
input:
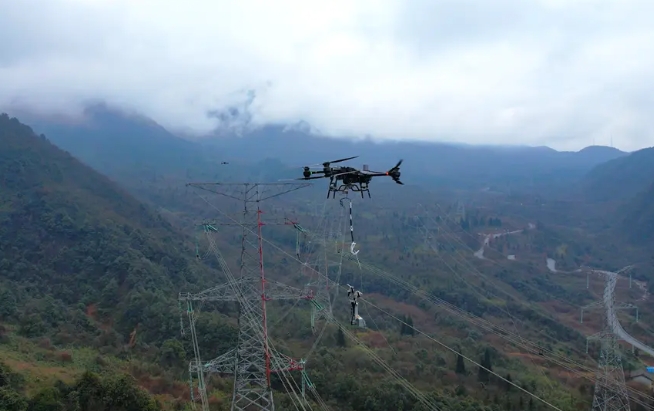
<point x="609" y="291"/>
<point x="487" y="237"/>
<point x="612" y="318"/>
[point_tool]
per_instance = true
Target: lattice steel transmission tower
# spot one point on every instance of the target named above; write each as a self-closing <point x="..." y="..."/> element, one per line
<point x="328" y="258"/>
<point x="610" y="387"/>
<point x="254" y="359"/>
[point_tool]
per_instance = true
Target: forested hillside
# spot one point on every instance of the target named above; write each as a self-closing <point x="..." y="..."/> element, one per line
<point x="81" y="261"/>
<point x="621" y="178"/>
<point x="89" y="277"/>
<point x="637" y="218"/>
<point x="72" y="235"/>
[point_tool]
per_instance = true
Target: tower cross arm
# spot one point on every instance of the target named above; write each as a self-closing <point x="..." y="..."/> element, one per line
<point x="223" y="292"/>
<point x="597" y="336"/>
<point x="279" y="291"/>
<point x="223" y="364"/>
<point x="249" y="192"/>
<point x="281" y="363"/>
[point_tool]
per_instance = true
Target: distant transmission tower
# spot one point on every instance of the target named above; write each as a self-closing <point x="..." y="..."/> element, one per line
<point x="610" y="387"/>
<point x="253" y="360"/>
<point x="329" y="259"/>
<point x="460" y="214"/>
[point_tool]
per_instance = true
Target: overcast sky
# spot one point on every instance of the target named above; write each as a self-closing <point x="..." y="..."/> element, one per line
<point x="563" y="73"/>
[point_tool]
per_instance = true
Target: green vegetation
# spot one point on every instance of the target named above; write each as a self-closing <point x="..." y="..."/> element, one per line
<point x="89" y="392"/>
<point x="83" y="264"/>
<point x="89" y="278"/>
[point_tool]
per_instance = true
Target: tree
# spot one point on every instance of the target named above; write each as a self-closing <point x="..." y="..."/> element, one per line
<point x="32" y="326"/>
<point x="48" y="399"/>
<point x="7" y="305"/>
<point x="109" y="296"/>
<point x="125" y="395"/>
<point x="508" y="382"/>
<point x="460" y="365"/>
<point x="5" y="375"/>
<point x="10" y="400"/>
<point x="116" y="393"/>
<point x="406" y="327"/>
<point x="410" y="329"/>
<point x="89" y="392"/>
<point x="486" y="366"/>
<point x="340" y="338"/>
<point x="172" y="352"/>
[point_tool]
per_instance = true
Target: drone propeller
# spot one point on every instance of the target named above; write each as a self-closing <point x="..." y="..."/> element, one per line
<point x="327" y="163"/>
<point x="394" y="173"/>
<point x="397" y="166"/>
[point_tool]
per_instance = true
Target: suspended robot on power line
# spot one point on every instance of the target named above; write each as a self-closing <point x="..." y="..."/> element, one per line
<point x="354" y="297"/>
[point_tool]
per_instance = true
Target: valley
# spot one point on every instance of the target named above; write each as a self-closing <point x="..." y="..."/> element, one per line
<point x="117" y="280"/>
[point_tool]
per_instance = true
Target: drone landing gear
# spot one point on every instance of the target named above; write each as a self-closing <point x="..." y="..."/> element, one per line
<point x="344" y="188"/>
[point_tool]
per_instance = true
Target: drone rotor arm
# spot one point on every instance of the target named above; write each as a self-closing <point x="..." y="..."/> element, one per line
<point x="310" y="178"/>
<point x="345" y="173"/>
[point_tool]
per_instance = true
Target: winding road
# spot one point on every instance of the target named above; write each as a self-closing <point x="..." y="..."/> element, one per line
<point x="609" y="291"/>
<point x="612" y="318"/>
<point x="487" y="237"/>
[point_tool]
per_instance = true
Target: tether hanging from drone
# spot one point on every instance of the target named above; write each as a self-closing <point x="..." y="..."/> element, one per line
<point x="353" y="244"/>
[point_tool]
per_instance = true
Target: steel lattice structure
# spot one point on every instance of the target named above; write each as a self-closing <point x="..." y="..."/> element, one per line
<point x="330" y="236"/>
<point x="610" y="387"/>
<point x="252" y="361"/>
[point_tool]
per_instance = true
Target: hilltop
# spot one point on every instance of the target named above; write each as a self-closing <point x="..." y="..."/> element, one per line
<point x="620" y="178"/>
<point x="621" y="190"/>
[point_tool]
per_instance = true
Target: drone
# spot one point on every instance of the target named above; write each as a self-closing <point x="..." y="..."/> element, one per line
<point x="344" y="178"/>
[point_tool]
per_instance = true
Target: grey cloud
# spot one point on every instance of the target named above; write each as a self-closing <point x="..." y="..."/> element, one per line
<point x="564" y="73"/>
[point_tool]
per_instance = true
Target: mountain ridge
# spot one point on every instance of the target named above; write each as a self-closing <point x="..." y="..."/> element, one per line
<point x="108" y="133"/>
<point x="64" y="225"/>
<point x="620" y="178"/>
